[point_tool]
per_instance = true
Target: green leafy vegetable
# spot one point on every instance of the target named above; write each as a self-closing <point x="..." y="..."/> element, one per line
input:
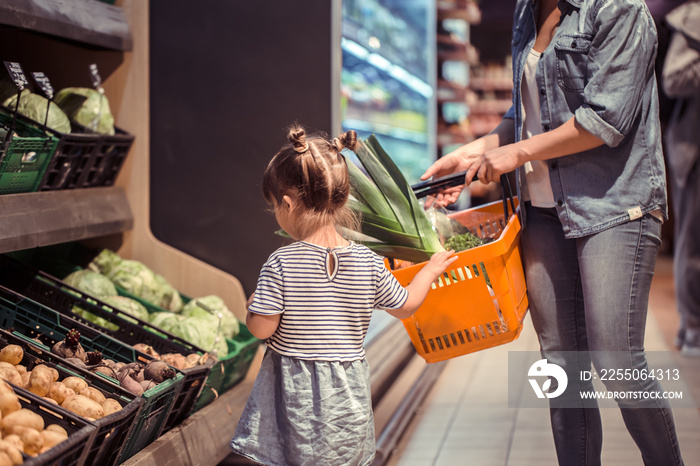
<point x="88" y="107"/>
<point x="92" y="283"/>
<point x="213" y="303"/>
<point x="463" y="242"/>
<point x="34" y="106"/>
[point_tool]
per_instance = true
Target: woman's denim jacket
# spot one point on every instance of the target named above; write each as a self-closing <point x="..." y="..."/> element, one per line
<point x="599" y="68"/>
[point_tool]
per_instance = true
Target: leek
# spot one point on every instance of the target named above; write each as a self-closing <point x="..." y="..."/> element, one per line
<point x="394" y="224"/>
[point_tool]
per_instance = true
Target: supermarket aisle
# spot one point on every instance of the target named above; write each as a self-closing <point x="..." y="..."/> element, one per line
<point x="465" y="418"/>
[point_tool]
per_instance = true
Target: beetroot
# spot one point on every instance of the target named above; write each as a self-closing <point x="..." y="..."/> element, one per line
<point x="158" y="371"/>
<point x="70" y="347"/>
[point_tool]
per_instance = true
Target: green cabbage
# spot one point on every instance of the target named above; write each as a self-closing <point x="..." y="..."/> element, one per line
<point x="88" y="107"/>
<point x="229" y="322"/>
<point x="34" y="106"/>
<point x="130" y="306"/>
<point x="94" y="319"/>
<point x="105" y="261"/>
<point x="201" y="332"/>
<point x="92" y="283"/>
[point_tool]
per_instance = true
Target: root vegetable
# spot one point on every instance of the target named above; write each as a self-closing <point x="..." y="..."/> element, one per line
<point x="58" y="429"/>
<point x="9" y="403"/>
<point x="158" y="371"/>
<point x="176" y="360"/>
<point x="5" y="387"/>
<point x="12" y="451"/>
<point x="51" y="439"/>
<point x="25" y="378"/>
<point x="14" y="440"/>
<point x="32" y="440"/>
<point x="12" y="354"/>
<point x="11" y="375"/>
<point x="149" y="350"/>
<point x="93" y="393"/>
<point x="40" y="381"/>
<point x="7" y="365"/>
<point x="77" y="362"/>
<point x="130" y="384"/>
<point x="50" y="400"/>
<point x="192" y="360"/>
<point x="147" y="384"/>
<point x="70" y="347"/>
<point x="21" y="418"/>
<point x="110" y="405"/>
<point x="84" y="406"/>
<point x="75" y="383"/>
<point x="21" y="369"/>
<point x="5" y="460"/>
<point x="59" y="391"/>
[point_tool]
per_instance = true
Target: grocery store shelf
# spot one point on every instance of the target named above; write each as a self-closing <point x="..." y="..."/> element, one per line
<point x="491" y="84"/>
<point x="467" y="11"/>
<point x="499" y="106"/>
<point x="88" y="22"/>
<point x="31" y="220"/>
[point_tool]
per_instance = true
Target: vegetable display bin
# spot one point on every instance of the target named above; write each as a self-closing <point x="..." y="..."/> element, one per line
<point x="25" y="157"/>
<point x="38" y="321"/>
<point x="60" y="297"/>
<point x="75" y="449"/>
<point x="111" y="432"/>
<point x="480" y="301"/>
<point x="73" y="152"/>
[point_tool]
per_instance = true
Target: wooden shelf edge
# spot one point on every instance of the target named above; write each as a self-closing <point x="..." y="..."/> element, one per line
<point x="30" y="220"/>
<point x="92" y="23"/>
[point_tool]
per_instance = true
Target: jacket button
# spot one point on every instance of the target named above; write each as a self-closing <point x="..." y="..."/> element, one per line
<point x="573" y="44"/>
<point x="553" y="165"/>
<point x="560" y="203"/>
<point x="543" y="91"/>
<point x="546" y="127"/>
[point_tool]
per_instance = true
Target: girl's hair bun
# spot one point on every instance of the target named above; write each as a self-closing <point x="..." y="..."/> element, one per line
<point x="297" y="136"/>
<point x="346" y="140"/>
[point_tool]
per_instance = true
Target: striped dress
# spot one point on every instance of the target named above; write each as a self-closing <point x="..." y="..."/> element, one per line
<point x="310" y="404"/>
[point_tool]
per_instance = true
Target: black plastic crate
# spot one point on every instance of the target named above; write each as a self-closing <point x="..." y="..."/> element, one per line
<point x="81" y="434"/>
<point x="107" y="158"/>
<point x="112" y="431"/>
<point x="60" y="297"/>
<point x="35" y="320"/>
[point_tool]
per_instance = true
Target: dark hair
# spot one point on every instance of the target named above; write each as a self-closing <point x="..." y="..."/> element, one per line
<point x="311" y="169"/>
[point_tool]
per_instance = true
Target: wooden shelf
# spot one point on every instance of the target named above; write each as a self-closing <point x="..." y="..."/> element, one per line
<point x="92" y="22"/>
<point x="491" y="84"/>
<point x="31" y="220"/>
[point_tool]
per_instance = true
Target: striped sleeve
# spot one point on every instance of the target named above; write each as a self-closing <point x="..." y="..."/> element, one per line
<point x="389" y="294"/>
<point x="269" y="298"/>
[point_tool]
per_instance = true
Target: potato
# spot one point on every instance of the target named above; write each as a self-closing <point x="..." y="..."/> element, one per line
<point x="12" y="354"/>
<point x="9" y="403"/>
<point x="32" y="439"/>
<point x="59" y="392"/>
<point x="52" y="372"/>
<point x="21" y="369"/>
<point x="84" y="406"/>
<point x="22" y="418"/>
<point x="25" y="378"/>
<point x="93" y="394"/>
<point x="15" y="441"/>
<point x="50" y="400"/>
<point x="57" y="428"/>
<point x="11" y="375"/>
<point x="5" y="387"/>
<point x="39" y="382"/>
<point x="7" y="365"/>
<point x="110" y="405"/>
<point x="51" y="439"/>
<point x="5" y="460"/>
<point x="75" y="383"/>
<point x="12" y="451"/>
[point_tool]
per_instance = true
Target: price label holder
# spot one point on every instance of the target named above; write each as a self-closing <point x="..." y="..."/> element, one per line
<point x="20" y="79"/>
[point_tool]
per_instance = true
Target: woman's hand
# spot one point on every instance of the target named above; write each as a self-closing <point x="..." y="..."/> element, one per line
<point x="467" y="157"/>
<point x="498" y="161"/>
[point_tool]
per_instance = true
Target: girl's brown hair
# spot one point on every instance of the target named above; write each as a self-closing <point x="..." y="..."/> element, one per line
<point x="311" y="169"/>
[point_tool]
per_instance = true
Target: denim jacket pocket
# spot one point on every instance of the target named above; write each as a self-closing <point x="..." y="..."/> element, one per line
<point x="572" y="58"/>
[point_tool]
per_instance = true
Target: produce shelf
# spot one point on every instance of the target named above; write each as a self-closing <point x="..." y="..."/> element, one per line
<point x="31" y="220"/>
<point x="88" y="22"/>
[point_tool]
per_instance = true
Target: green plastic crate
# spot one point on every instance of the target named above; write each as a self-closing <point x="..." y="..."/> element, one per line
<point x="25" y="158"/>
<point x="37" y="321"/>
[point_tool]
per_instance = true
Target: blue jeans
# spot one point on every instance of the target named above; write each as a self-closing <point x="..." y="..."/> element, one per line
<point x="591" y="294"/>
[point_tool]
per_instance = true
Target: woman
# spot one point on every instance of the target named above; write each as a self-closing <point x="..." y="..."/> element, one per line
<point x="583" y="136"/>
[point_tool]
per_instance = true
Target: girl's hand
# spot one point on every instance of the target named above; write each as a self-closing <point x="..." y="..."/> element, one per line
<point x="438" y="263"/>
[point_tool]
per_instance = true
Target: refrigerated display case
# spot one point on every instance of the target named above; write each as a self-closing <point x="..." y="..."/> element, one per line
<point x="388" y="78"/>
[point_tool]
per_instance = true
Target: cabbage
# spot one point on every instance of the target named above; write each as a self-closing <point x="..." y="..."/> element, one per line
<point x="105" y="261"/>
<point x="34" y="106"/>
<point x="92" y="283"/>
<point x="164" y="320"/>
<point x="229" y="322"/>
<point x="128" y="305"/>
<point x="137" y="279"/>
<point x="88" y="107"/>
<point x="201" y="332"/>
<point x="167" y="296"/>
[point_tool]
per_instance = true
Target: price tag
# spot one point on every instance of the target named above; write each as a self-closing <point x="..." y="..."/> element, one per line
<point x="17" y="74"/>
<point x="44" y="84"/>
<point x="95" y="77"/>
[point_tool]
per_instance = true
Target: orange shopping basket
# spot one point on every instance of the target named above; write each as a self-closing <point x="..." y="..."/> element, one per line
<point x="480" y="301"/>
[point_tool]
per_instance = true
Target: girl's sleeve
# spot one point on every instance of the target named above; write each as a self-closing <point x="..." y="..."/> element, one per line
<point x="620" y="64"/>
<point x="268" y="299"/>
<point x="389" y="292"/>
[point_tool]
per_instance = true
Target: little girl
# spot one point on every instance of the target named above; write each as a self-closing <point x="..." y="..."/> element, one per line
<point x="310" y="403"/>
